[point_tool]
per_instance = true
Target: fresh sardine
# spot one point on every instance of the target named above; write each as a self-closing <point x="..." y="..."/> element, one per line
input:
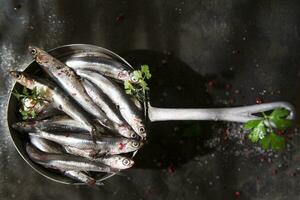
<point x="60" y="123"/>
<point x="104" y="66"/>
<point x="66" y="162"/>
<point x="82" y="177"/>
<point x="46" y="145"/>
<point x="49" y="111"/>
<point x="102" y="145"/>
<point x="127" y="109"/>
<point x="114" y="161"/>
<point x="67" y="79"/>
<point x="60" y="100"/>
<point x="103" y="102"/>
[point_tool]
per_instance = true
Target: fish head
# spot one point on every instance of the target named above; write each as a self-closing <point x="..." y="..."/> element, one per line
<point x="17" y="125"/>
<point x="119" y="162"/>
<point x="22" y="78"/>
<point x="23" y="126"/>
<point x="40" y="56"/>
<point x="141" y="130"/>
<point x="133" y="79"/>
<point x="134" y="145"/>
<point x="16" y="75"/>
<point x="127" y="132"/>
<point x="124" y="75"/>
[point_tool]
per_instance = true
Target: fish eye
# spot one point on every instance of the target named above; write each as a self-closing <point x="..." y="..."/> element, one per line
<point x="126" y="161"/>
<point x="135" y="144"/>
<point x="142" y="129"/>
<point x="18" y="76"/>
<point x="133" y="135"/>
<point x="33" y="51"/>
<point x="134" y="79"/>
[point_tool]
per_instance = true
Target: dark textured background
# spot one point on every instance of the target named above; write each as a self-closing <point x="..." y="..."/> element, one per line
<point x="204" y="53"/>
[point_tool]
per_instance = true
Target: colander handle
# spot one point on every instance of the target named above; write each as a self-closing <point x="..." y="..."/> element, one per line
<point x="234" y="114"/>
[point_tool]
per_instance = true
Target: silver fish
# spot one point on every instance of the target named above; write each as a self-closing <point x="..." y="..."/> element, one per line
<point x="48" y="111"/>
<point x="54" y="148"/>
<point x="137" y="103"/>
<point x="86" y="153"/>
<point x="102" y="101"/>
<point x="89" y="54"/>
<point x="60" y="100"/>
<point x="60" y="123"/>
<point x="46" y="145"/>
<point x="114" y="161"/>
<point x="107" y="145"/>
<point x="66" y="162"/>
<point x="104" y="66"/>
<point x="82" y="177"/>
<point x="66" y="78"/>
<point x="127" y="109"/>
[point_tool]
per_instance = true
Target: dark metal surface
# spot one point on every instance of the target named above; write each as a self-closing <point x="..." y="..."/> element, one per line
<point x="202" y="54"/>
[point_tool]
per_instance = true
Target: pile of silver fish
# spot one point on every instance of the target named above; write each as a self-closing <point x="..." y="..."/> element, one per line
<point x="90" y="124"/>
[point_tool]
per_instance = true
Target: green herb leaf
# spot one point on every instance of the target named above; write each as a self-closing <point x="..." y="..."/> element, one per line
<point x="258" y="132"/>
<point x="128" y="85"/>
<point x="128" y="92"/>
<point x="273" y="141"/>
<point x="25" y="91"/>
<point x="138" y="90"/>
<point x="262" y="129"/>
<point x="35" y="96"/>
<point x="278" y="117"/>
<point x="251" y="124"/>
<point x="144" y="85"/>
<point x="16" y="94"/>
<point x="33" y="114"/>
<point x="280" y="112"/>
<point x="137" y="74"/>
<point x="277" y="142"/>
<point x="145" y="70"/>
<point x="266" y="142"/>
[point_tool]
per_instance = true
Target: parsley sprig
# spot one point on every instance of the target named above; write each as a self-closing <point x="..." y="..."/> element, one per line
<point x="263" y="129"/>
<point x="138" y="90"/>
<point x="35" y="97"/>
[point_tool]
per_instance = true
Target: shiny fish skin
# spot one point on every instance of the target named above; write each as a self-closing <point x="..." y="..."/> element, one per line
<point x="66" y="162"/>
<point x="114" y="161"/>
<point x="119" y="125"/>
<point x="60" y="100"/>
<point x="46" y="145"/>
<point x="127" y="109"/>
<point x="86" y="153"/>
<point x="101" y="101"/>
<point x="49" y="111"/>
<point x="66" y="78"/>
<point x="82" y="177"/>
<point x="107" y="145"/>
<point x="104" y="66"/>
<point x="54" y="148"/>
<point x="137" y="103"/>
<point x="55" y="124"/>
